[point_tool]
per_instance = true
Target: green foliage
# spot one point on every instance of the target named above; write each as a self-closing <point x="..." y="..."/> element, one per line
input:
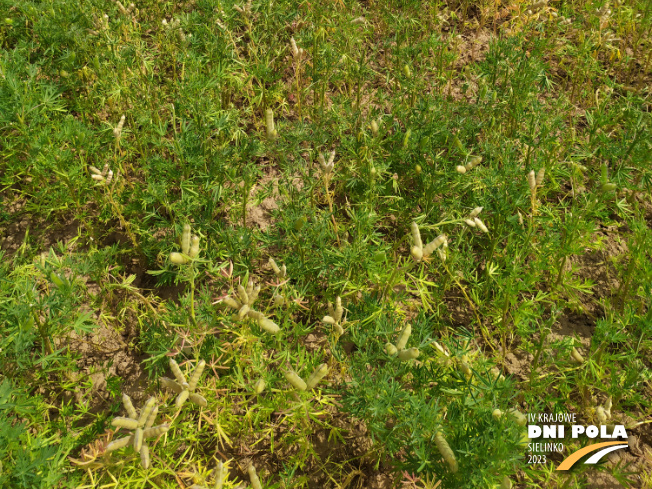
<point x="514" y="138"/>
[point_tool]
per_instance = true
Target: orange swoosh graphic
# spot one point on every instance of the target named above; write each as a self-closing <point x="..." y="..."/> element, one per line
<point x="574" y="457"/>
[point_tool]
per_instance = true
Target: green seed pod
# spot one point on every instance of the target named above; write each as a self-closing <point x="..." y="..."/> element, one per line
<point x="475" y="161"/>
<point x="253" y="293"/>
<point x="520" y="418"/>
<point x="197" y="399"/>
<point x="403" y="337"/>
<point x="608" y="187"/>
<point x="458" y="144"/>
<point x="174" y="366"/>
<point x="374" y="128"/>
<point x="475" y="212"/>
<point x="416" y="235"/>
<point x="242" y="294"/>
<point x="390" y="349"/>
<point x="269" y="124"/>
<point x="138" y="439"/>
<point x="576" y="356"/>
<point x="540" y="174"/>
<point x="410" y="354"/>
<point x="406" y="138"/>
<point x="178" y="258"/>
<point x="460" y="169"/>
<point x="244" y="310"/>
<point x="328" y="320"/>
<point x="299" y="223"/>
<point x="439" y="348"/>
<point x="146" y="411"/>
<point x="406" y="71"/>
<point x="316" y="377"/>
<point x="194" y="247"/>
<point x="196" y="374"/>
<point x="532" y="181"/>
<point x="295" y="381"/>
<point x="117" y="444"/>
<point x="272" y="263"/>
<point x="465" y="369"/>
<point x="255" y="315"/>
<point x="259" y="386"/>
<point x="446" y="452"/>
<point x="270" y="326"/>
<point x="127" y="423"/>
<point x="181" y="398"/>
<point x="601" y="415"/>
<point x="603" y="173"/>
<point x="434" y="244"/>
<point x="152" y="417"/>
<point x="144" y="456"/>
<point x="480" y="225"/>
<point x="470" y="223"/>
<point x="185" y="239"/>
<point x="497" y="413"/>
<point x="417" y="253"/>
<point x="506" y="483"/>
<point x="129" y="407"/>
<point x="607" y="407"/>
<point x="56" y="280"/>
<point x="171" y="384"/>
<point x="232" y="303"/>
<point x="155" y="431"/>
<point x="279" y="300"/>
<point x="219" y="475"/>
<point x="338" y="309"/>
<point x="253" y="477"/>
<point x="417" y="169"/>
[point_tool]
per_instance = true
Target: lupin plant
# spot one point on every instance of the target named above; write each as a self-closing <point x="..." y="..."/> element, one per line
<point x="446" y="451"/>
<point x="245" y="10"/>
<point x="419" y="251"/>
<point x="270" y="127"/>
<point x="117" y="130"/>
<point x="126" y="10"/>
<point x="399" y="348"/>
<point x="253" y="477"/>
<point x="282" y="275"/>
<point x="301" y="385"/>
<point x="142" y="426"/>
<point x="189" y="247"/>
<point x="535" y="181"/>
<point x="327" y="174"/>
<point x="185" y="390"/>
<point x="605" y="185"/>
<point x="188" y="256"/>
<point x="470" y="165"/>
<point x="243" y="301"/>
<point x="474" y="221"/>
<point x="335" y="317"/>
<point x="298" y="55"/>
<point x="104" y="177"/>
<point x="219" y="474"/>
